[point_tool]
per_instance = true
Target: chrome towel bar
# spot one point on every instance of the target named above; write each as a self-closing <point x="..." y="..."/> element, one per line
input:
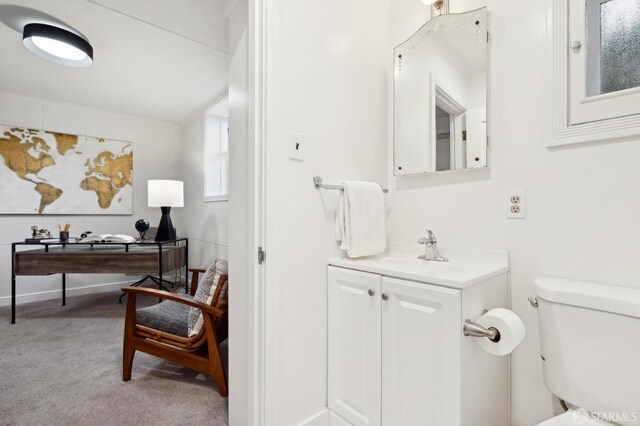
<point x="317" y="183"/>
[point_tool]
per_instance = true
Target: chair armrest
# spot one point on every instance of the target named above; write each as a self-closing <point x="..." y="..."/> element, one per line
<point x="200" y="270"/>
<point x="180" y="298"/>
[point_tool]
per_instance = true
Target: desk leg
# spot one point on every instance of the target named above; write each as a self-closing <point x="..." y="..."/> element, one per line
<point x="160" y="268"/>
<point x="186" y="267"/>
<point x="13" y="284"/>
<point x="13" y="297"/>
<point x="64" y="289"/>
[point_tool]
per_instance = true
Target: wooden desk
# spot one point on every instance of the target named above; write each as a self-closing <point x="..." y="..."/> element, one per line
<point x="145" y="258"/>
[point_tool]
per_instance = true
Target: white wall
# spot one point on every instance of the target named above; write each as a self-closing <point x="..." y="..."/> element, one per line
<point x="582" y="208"/>
<point x="220" y="229"/>
<point x="155" y="150"/>
<point x="204" y="223"/>
<point x="328" y="66"/>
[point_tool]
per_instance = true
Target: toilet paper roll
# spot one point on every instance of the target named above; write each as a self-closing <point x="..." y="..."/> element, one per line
<point x="509" y="325"/>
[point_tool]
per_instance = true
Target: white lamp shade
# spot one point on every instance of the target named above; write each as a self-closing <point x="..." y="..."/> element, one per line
<point x="165" y="193"/>
<point x="428" y="2"/>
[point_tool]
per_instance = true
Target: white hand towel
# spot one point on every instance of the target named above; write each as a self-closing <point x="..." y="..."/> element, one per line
<point x="360" y="219"/>
<point x="340" y="231"/>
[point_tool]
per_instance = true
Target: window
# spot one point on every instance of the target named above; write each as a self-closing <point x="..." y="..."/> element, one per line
<point x="216" y="152"/>
<point x="596" y="55"/>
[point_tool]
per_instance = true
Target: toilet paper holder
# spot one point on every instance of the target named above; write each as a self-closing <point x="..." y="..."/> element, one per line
<point x="473" y="329"/>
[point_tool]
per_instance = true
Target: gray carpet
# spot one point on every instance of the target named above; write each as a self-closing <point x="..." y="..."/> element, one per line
<point x="63" y="366"/>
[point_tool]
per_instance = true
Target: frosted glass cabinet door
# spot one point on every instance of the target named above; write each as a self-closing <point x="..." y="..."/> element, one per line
<point x="421" y="332"/>
<point x="604" y="59"/>
<point x="354" y="346"/>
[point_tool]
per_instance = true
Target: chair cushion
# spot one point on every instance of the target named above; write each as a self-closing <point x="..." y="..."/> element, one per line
<point x="204" y="293"/>
<point x="168" y="316"/>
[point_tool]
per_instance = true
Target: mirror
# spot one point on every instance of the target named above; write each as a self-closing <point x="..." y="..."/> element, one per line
<point x="440" y="96"/>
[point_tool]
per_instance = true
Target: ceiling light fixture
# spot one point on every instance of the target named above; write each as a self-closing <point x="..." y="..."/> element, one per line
<point x="57" y="45"/>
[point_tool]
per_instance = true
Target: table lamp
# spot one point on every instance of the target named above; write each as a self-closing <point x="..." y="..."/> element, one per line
<point x="165" y="194"/>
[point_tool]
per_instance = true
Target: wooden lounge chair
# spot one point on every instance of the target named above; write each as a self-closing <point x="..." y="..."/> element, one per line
<point x="167" y="337"/>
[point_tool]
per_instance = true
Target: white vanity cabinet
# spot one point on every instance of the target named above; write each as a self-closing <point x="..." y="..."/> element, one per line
<point x="397" y="355"/>
<point x="420" y="346"/>
<point x="355" y="342"/>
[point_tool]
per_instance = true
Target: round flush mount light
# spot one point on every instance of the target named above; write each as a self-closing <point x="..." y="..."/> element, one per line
<point x="57" y="45"/>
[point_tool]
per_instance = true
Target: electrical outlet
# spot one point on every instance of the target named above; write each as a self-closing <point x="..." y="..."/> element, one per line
<point x="296" y="146"/>
<point x="516" y="204"/>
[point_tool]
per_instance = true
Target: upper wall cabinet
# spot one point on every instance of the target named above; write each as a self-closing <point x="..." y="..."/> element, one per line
<point x="440" y="96"/>
<point x="596" y="47"/>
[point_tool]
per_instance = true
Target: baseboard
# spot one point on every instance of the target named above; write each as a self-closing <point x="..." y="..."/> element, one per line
<point x="318" y="419"/>
<point x="74" y="291"/>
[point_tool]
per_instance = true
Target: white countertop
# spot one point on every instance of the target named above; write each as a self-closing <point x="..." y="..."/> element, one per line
<point x="465" y="268"/>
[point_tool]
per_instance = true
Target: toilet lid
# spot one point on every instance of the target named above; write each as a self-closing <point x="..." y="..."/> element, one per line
<point x="572" y="418"/>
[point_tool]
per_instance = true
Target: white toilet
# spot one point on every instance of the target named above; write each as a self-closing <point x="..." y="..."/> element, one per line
<point x="590" y="349"/>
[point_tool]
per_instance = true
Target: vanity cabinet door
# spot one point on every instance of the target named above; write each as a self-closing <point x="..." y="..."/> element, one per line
<point x="421" y="334"/>
<point x="354" y="346"/>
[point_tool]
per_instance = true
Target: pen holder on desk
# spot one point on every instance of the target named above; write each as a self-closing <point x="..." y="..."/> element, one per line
<point x="64" y="236"/>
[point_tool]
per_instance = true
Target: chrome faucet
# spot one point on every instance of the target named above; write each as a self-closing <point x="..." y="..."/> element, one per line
<point x="431" y="248"/>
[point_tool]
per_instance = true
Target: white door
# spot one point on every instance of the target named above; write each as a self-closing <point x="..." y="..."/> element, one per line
<point x="354" y="346"/>
<point x="421" y="331"/>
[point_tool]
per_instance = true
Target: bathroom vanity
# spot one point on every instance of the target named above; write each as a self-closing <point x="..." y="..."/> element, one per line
<point x="397" y="353"/>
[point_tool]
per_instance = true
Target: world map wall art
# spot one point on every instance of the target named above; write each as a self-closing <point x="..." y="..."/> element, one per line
<point x="54" y="173"/>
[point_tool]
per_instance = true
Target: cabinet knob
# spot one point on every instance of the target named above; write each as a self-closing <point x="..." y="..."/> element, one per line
<point x="371" y="292"/>
<point x="384" y="296"/>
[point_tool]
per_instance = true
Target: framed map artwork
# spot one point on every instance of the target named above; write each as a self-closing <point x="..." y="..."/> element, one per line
<point x="54" y="173"/>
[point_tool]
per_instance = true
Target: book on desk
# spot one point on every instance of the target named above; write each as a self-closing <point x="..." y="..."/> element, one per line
<point x="108" y="238"/>
<point x="41" y="240"/>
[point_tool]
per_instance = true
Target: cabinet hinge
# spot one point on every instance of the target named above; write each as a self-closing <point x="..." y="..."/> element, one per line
<point x="262" y="256"/>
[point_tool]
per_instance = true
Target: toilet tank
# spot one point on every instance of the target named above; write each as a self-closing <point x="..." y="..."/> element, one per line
<point x="590" y="346"/>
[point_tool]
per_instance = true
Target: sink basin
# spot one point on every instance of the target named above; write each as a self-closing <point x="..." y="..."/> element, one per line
<point x="465" y="267"/>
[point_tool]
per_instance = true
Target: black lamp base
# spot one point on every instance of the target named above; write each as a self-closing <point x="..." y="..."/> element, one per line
<point x="166" y="231"/>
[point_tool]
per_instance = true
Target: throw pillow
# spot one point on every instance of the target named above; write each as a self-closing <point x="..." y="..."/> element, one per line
<point x="206" y="289"/>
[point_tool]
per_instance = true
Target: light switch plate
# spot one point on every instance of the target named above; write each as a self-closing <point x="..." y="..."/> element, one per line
<point x="296" y="146"/>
